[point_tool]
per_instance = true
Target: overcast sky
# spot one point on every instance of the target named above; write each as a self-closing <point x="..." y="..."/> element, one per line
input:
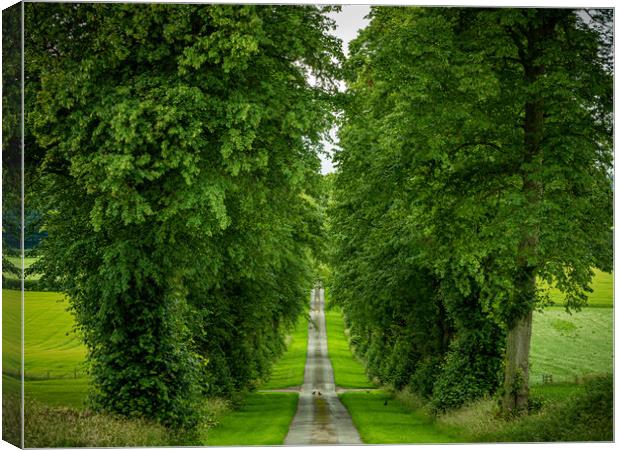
<point x="348" y="22"/>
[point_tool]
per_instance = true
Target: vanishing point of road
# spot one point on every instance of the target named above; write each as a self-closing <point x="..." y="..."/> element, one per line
<point x="321" y="418"/>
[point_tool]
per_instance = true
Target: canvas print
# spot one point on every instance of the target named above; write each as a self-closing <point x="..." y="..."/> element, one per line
<point x="234" y="224"/>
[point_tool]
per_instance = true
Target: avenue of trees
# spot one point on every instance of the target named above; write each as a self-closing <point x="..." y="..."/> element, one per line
<point x="475" y="168"/>
<point x="172" y="161"/>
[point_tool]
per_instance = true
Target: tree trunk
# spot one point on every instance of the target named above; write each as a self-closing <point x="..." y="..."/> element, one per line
<point x="516" y="372"/>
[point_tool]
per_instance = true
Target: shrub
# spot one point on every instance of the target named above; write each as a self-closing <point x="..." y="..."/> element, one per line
<point x="587" y="416"/>
<point x="424" y="377"/>
<point x="470" y="371"/>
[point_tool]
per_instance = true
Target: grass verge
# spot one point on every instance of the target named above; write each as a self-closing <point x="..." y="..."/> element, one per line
<point x="348" y="370"/>
<point x="48" y="426"/>
<point x="288" y="371"/>
<point x="382" y="419"/>
<point x="263" y="419"/>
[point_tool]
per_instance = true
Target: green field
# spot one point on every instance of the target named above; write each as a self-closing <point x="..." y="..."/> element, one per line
<point x="391" y="423"/>
<point x="602" y="294"/>
<point x="348" y="371"/>
<point x="11" y="331"/>
<point x="53" y="354"/>
<point x="289" y="370"/>
<point x="569" y="345"/>
<point x="51" y="345"/>
<point x="263" y="419"/>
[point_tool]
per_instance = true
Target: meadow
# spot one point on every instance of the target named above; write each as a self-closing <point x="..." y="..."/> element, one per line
<point x="569" y="346"/>
<point x="53" y="354"/>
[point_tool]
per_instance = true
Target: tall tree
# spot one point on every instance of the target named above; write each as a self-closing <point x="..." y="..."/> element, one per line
<point x="179" y="144"/>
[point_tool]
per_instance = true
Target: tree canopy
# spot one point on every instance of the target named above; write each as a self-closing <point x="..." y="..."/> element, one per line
<point x="179" y="163"/>
<point x="477" y="152"/>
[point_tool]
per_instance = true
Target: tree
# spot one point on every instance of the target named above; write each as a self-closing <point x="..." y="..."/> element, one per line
<point x="178" y="144"/>
<point x="494" y="126"/>
<point x="408" y="318"/>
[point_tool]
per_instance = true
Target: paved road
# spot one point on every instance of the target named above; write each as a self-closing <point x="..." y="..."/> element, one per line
<point x="320" y="419"/>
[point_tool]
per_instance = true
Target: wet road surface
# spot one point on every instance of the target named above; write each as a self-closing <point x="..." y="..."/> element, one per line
<point x="321" y="418"/>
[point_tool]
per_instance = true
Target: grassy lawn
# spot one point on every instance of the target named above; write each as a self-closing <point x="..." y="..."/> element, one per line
<point x="289" y="369"/>
<point x="348" y="371"/>
<point x="263" y="419"/>
<point x="50" y="344"/>
<point x="393" y="423"/>
<point x="51" y="348"/>
<point x="569" y="345"/>
<point x="67" y="392"/>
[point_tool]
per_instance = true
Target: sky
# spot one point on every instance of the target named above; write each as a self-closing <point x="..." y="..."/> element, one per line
<point x="348" y="21"/>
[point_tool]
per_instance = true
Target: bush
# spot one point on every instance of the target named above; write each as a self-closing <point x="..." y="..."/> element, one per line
<point x="470" y="371"/>
<point x="587" y="416"/>
<point x="425" y="374"/>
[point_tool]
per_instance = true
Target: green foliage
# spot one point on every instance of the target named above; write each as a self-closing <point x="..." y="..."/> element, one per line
<point x="470" y="370"/>
<point x="585" y="416"/>
<point x="476" y="159"/>
<point x="178" y="163"/>
<point x="11" y="140"/>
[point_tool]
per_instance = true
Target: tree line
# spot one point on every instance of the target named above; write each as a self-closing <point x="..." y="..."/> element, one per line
<point x="172" y="158"/>
<point x="476" y="168"/>
<point x="175" y="162"/>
